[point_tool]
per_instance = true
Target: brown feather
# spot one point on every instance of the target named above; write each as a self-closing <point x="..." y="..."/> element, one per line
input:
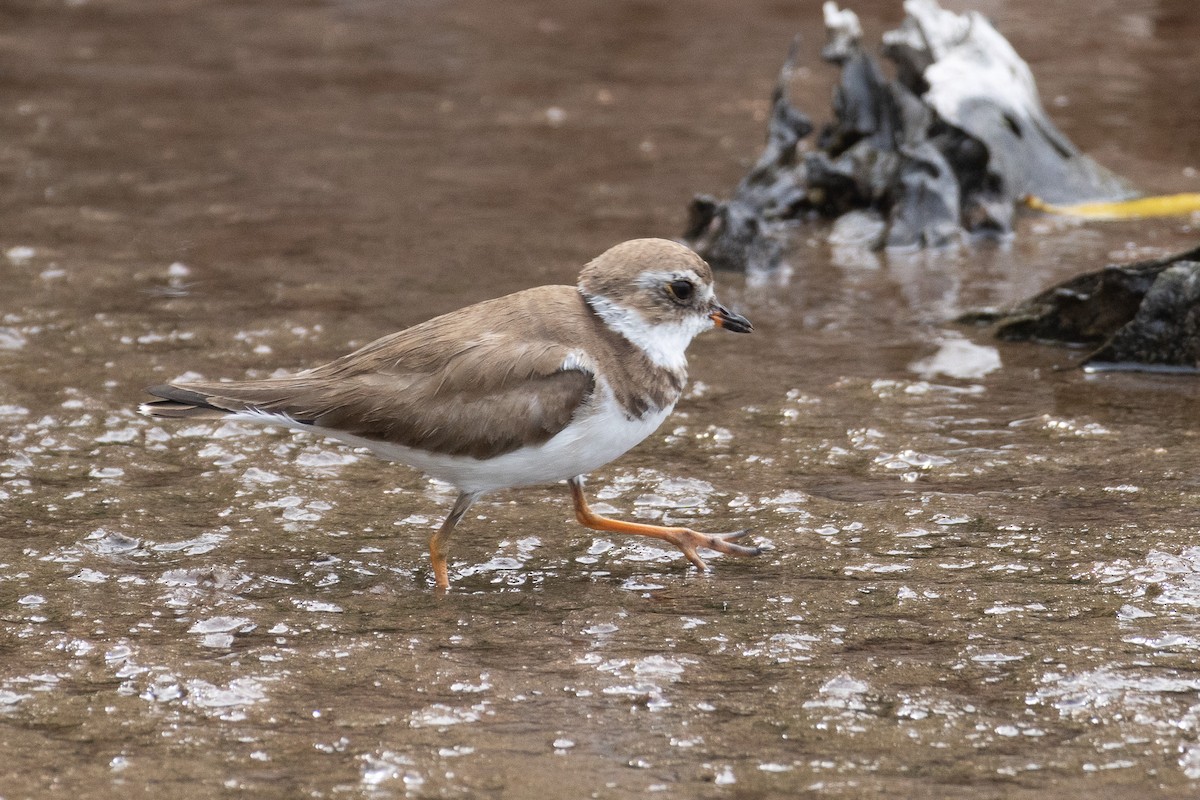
<point x="481" y="381"/>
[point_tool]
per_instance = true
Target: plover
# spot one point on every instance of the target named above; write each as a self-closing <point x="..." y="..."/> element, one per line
<point x="543" y="385"/>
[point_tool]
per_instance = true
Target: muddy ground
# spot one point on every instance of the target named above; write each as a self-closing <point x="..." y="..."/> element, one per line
<point x="983" y="576"/>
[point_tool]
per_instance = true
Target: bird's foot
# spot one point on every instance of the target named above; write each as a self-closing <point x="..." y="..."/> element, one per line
<point x="688" y="541"/>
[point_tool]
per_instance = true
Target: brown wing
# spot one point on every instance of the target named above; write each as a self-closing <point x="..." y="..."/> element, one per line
<point x="480" y="382"/>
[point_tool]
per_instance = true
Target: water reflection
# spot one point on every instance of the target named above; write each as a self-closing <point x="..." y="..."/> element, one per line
<point x="958" y="358"/>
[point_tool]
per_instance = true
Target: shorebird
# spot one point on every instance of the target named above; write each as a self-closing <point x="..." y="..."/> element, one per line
<point x="539" y="386"/>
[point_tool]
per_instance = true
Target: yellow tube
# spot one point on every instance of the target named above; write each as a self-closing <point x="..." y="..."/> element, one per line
<point x="1168" y="205"/>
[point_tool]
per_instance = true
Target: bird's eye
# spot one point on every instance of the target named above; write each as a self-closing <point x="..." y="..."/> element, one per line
<point x="681" y="290"/>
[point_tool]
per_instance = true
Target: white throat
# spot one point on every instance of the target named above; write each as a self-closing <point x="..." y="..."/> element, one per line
<point x="665" y="344"/>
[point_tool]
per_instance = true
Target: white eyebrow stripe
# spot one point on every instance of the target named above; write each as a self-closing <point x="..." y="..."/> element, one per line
<point x="652" y="278"/>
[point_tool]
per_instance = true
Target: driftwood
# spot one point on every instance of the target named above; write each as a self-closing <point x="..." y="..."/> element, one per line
<point x="946" y="148"/>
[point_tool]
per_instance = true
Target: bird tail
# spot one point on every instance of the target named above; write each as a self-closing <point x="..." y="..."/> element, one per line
<point x="213" y="400"/>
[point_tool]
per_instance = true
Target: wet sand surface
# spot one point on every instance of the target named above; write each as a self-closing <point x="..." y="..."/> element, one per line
<point x="984" y="574"/>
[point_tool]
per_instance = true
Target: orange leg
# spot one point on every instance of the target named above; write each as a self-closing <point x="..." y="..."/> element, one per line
<point x="437" y="542"/>
<point x="685" y="539"/>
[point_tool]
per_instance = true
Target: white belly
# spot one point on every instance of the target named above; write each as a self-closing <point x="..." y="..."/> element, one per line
<point x="588" y="443"/>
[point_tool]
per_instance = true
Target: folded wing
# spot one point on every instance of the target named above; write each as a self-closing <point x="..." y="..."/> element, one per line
<point x="457" y="390"/>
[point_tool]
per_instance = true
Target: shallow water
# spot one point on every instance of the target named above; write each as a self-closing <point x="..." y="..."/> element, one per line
<point x="984" y="575"/>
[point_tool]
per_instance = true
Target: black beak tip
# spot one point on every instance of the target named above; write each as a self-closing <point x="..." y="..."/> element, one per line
<point x="730" y="321"/>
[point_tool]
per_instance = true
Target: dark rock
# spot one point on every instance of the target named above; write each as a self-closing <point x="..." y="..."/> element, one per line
<point x="1137" y="316"/>
<point x="1166" y="329"/>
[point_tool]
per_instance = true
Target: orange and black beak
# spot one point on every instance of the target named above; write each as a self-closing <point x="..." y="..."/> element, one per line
<point x="724" y="318"/>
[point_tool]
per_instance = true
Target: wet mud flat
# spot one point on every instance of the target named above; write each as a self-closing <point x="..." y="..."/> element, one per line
<point x="982" y="579"/>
